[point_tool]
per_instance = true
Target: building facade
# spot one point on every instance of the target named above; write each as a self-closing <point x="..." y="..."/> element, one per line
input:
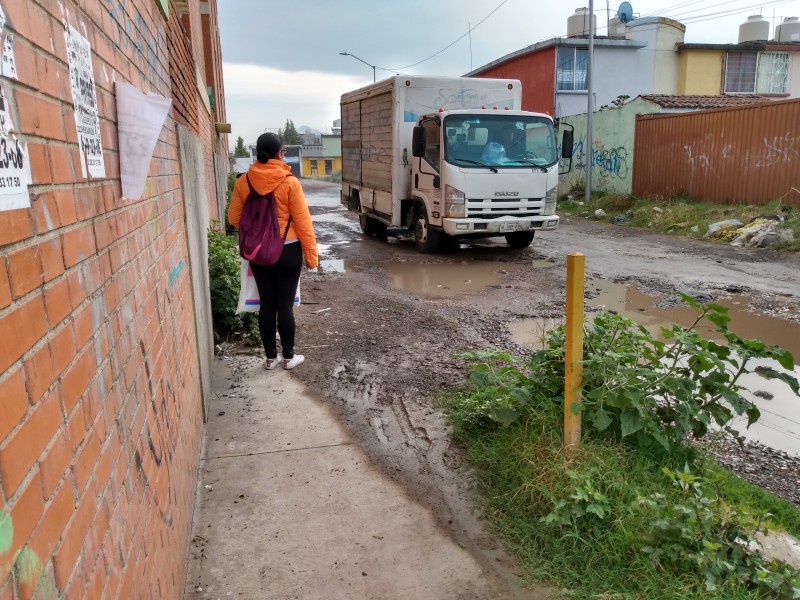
<point x="105" y="361"/>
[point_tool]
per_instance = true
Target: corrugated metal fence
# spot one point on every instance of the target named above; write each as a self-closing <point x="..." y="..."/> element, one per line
<point x="745" y="154"/>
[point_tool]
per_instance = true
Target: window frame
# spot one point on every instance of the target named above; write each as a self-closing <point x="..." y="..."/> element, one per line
<point x="573" y="50"/>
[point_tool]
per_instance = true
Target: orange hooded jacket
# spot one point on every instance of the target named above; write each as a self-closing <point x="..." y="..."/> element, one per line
<point x="275" y="175"/>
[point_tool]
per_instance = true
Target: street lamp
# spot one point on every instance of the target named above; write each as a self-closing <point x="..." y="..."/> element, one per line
<point x="363" y="61"/>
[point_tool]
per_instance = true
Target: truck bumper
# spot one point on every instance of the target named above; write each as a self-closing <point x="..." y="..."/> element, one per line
<point x="499" y="226"/>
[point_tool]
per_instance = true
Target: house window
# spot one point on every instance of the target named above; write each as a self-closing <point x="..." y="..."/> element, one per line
<point x="740" y="73"/>
<point x="571" y="68"/>
<point x="773" y="73"/>
<point x="328" y="167"/>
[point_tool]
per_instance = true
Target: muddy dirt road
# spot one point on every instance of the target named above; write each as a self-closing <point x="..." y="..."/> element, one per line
<point x="380" y="323"/>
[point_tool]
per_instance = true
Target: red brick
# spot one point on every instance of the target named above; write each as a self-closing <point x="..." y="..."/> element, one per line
<point x="20" y="329"/>
<point x="13" y="401"/>
<point x="53" y="78"/>
<point x="84" y="325"/>
<point x="66" y="556"/>
<point x="57" y="302"/>
<point x="45" y="212"/>
<point x="66" y="207"/>
<point x="25" y="59"/>
<point x="62" y="349"/>
<point x="26" y="512"/>
<point x="78" y="245"/>
<point x="59" y="456"/>
<point x="52" y="259"/>
<point x="40" y="116"/>
<point x="75" y="381"/>
<point x="5" y="289"/>
<point x="24" y="270"/>
<point x="87" y="458"/>
<point x="17" y="225"/>
<point x="77" y="291"/>
<point x="40" y="168"/>
<point x="60" y="164"/>
<point x="57" y="513"/>
<point x="25" y="445"/>
<point x="88" y="202"/>
<point x="39" y="373"/>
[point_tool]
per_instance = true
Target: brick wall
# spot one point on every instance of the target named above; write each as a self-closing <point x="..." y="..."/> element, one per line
<point x="100" y="393"/>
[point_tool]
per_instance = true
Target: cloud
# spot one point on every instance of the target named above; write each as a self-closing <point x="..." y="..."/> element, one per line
<point x="248" y="80"/>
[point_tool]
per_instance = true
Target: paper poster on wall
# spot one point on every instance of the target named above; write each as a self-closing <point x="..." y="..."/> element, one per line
<point x="140" y="118"/>
<point x="9" y="65"/>
<point x="84" y="96"/>
<point x="15" y="168"/>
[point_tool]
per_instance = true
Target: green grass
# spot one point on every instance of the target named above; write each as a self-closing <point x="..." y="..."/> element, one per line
<point x="679" y="216"/>
<point x="522" y="473"/>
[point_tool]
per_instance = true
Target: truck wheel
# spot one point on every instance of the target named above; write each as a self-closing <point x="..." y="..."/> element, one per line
<point x="372" y="227"/>
<point x="426" y="238"/>
<point x="520" y="239"/>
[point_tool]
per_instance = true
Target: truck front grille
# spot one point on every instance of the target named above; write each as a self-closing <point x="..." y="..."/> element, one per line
<point x="490" y="208"/>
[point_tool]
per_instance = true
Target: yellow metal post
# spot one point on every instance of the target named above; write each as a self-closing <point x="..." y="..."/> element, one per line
<point x="576" y="263"/>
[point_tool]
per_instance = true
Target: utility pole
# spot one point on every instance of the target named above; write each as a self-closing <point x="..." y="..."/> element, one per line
<point x="589" y="108"/>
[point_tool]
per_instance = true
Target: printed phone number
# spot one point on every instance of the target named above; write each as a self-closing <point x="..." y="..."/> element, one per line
<point x="9" y="182"/>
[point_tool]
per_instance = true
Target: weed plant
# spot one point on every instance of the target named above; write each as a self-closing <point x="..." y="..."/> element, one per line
<point x="224" y="281"/>
<point x="634" y="511"/>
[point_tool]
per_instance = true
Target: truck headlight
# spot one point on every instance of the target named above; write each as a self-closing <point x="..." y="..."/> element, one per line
<point x="550" y="203"/>
<point x="454" y="201"/>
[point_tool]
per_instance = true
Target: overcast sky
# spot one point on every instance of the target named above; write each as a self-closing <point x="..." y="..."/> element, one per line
<point x="281" y="59"/>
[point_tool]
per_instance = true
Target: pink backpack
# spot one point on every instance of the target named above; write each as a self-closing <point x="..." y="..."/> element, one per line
<point x="260" y="241"/>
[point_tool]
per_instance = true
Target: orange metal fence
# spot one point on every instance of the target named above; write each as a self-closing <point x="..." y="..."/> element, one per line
<point x="747" y="154"/>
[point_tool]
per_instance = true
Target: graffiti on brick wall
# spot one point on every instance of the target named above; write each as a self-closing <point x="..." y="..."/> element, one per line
<point x="29" y="572"/>
<point x="780" y="149"/>
<point x="132" y="35"/>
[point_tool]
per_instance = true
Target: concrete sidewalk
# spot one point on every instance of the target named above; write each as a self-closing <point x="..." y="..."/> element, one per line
<point x="289" y="506"/>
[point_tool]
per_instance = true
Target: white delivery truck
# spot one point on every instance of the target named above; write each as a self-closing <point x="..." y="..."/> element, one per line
<point x="449" y="158"/>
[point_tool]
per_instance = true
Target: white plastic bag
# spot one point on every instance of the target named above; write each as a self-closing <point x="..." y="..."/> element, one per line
<point x="249" y="300"/>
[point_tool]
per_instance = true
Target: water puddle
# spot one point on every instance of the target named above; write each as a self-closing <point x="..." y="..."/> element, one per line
<point x="779" y="426"/>
<point x="335" y="265"/>
<point x="445" y="280"/>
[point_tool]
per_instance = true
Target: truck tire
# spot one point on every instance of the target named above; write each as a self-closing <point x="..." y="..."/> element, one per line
<point x="427" y="240"/>
<point x="520" y="239"/>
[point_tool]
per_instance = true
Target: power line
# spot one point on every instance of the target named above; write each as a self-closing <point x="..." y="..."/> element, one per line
<point x="449" y="45"/>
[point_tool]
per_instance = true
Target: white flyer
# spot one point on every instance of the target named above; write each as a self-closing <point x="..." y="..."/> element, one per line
<point x="9" y="65"/>
<point x="140" y="118"/>
<point x="15" y="168"/>
<point x="84" y="97"/>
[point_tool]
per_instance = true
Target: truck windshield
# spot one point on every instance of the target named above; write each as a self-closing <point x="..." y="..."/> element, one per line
<point x="499" y="141"/>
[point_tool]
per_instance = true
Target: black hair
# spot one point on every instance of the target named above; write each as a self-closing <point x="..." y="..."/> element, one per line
<point x="268" y="146"/>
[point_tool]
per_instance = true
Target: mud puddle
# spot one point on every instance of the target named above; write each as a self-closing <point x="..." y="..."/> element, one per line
<point x="779" y="426"/>
<point x="451" y="280"/>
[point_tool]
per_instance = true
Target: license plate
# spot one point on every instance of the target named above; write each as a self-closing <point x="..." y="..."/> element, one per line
<point x="506" y="227"/>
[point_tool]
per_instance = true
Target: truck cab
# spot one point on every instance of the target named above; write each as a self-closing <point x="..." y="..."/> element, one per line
<point x="483" y="173"/>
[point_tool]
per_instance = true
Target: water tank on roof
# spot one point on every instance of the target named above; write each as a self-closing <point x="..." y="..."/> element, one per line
<point x="755" y="29"/>
<point x="789" y="30"/>
<point x="616" y="28"/>
<point x="578" y="24"/>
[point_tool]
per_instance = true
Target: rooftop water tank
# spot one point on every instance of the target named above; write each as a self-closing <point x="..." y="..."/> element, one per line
<point x="755" y="29"/>
<point x="789" y="30"/>
<point x="616" y="28"/>
<point x="578" y="24"/>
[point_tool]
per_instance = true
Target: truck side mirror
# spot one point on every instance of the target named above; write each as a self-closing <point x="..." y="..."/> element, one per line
<point x="566" y="144"/>
<point x="418" y="142"/>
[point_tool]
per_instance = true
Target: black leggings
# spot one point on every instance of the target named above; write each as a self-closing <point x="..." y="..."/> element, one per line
<point x="276" y="287"/>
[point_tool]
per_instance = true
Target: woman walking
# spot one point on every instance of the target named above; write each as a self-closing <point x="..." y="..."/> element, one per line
<point x="277" y="283"/>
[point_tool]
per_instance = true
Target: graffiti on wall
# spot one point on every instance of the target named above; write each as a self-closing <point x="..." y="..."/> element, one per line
<point x="780" y="149"/>
<point x="29" y="572"/>
<point x="610" y="166"/>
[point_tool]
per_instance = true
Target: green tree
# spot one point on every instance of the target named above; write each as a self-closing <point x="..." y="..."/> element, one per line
<point x="240" y="151"/>
<point x="289" y="134"/>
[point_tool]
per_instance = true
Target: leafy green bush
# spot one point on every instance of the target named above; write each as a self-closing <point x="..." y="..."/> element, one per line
<point x="636" y="387"/>
<point x="699" y="532"/>
<point x="224" y="272"/>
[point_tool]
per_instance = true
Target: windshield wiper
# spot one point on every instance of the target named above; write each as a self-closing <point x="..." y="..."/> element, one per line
<point x="527" y="161"/>
<point x="475" y="162"/>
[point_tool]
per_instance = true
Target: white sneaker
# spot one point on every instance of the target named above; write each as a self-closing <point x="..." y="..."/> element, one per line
<point x="272" y="363"/>
<point x="297" y="359"/>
